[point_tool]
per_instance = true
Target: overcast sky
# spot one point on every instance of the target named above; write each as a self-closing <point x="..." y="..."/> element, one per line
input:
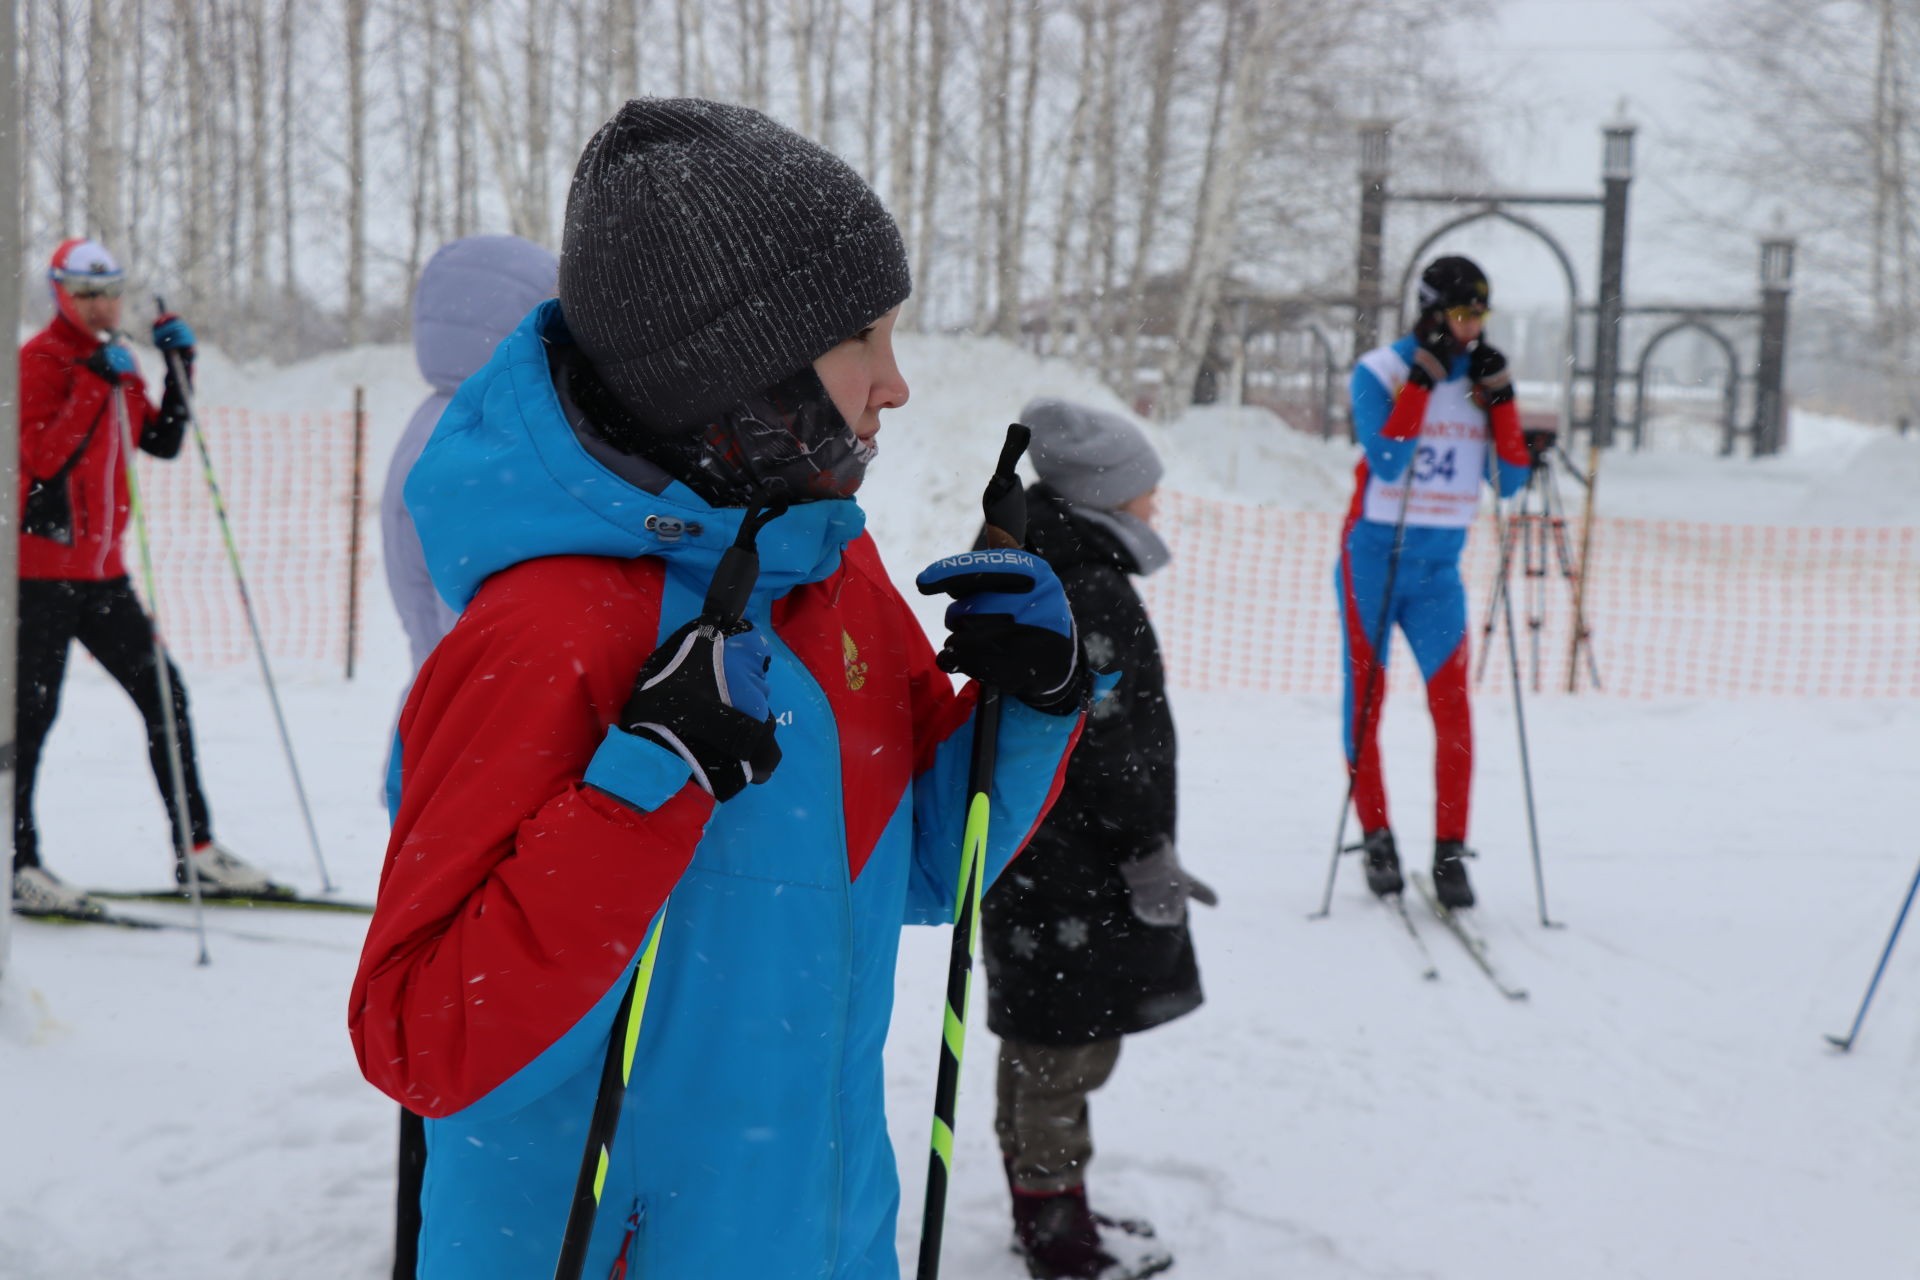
<point x="1555" y="71"/>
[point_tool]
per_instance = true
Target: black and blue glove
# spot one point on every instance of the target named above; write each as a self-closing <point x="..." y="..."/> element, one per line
<point x="1010" y="627"/>
<point x="1433" y="352"/>
<point x="703" y="696"/>
<point x="111" y="362"/>
<point x="171" y="333"/>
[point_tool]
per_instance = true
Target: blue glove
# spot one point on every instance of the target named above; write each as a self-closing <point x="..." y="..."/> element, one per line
<point x="703" y="695"/>
<point x="171" y="333"/>
<point x="110" y="361"/>
<point x="1010" y="627"/>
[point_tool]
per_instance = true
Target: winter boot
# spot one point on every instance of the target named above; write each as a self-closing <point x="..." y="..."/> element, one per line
<point x="38" y="892"/>
<point x="221" y="871"/>
<point x="1450" y="874"/>
<point x="1059" y="1238"/>
<point x="1383" y="862"/>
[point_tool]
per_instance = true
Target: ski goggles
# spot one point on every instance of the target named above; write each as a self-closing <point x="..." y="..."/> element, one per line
<point x="1464" y="314"/>
<point x="86" y="284"/>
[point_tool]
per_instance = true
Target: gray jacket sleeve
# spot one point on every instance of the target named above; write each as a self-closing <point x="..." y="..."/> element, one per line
<point x="423" y="613"/>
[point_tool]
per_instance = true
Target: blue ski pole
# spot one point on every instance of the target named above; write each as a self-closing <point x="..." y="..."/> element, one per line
<point x="1844" y="1043"/>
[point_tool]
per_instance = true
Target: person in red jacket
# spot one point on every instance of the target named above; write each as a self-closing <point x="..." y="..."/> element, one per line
<point x="73" y="579"/>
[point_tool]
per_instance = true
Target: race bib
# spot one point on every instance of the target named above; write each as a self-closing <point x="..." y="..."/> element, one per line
<point x="1448" y="467"/>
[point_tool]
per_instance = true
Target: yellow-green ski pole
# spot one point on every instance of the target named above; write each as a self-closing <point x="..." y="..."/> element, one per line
<point x="163" y="668"/>
<point x="178" y="369"/>
<point x="1006" y="527"/>
<point x="725" y="606"/>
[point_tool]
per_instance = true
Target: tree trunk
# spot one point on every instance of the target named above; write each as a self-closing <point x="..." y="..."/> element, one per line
<point x="1058" y="328"/>
<point x="1016" y="161"/>
<point x="1215" y="227"/>
<point x="990" y="207"/>
<point x="63" y="113"/>
<point x="879" y="68"/>
<point x="801" y="30"/>
<point x="290" y="284"/>
<point x="906" y="123"/>
<point x="829" y="84"/>
<point x="466" y="176"/>
<point x="1166" y="48"/>
<point x="199" y="239"/>
<point x="1097" y="273"/>
<point x="539" y="69"/>
<point x="103" y="125"/>
<point x="937" y="55"/>
<point x="259" y="206"/>
<point x="356" y="170"/>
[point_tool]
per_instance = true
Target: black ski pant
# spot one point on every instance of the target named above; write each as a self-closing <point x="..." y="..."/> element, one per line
<point x="107" y="618"/>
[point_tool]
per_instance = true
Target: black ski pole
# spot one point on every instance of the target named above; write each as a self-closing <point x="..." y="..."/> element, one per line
<point x="1520" y="721"/>
<point x="725" y="606"/>
<point x="178" y="368"/>
<point x="1005" y="503"/>
<point x="1363" y="715"/>
<point x="1845" y="1043"/>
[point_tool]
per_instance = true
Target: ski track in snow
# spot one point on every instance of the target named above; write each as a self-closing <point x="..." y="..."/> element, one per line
<point x="1663" y="1106"/>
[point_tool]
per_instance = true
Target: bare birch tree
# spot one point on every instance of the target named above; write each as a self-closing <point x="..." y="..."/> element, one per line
<point x="103" y="124"/>
<point x="356" y="34"/>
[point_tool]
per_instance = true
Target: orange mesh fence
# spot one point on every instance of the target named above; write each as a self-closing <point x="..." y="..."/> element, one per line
<point x="1675" y="609"/>
<point x="287" y="480"/>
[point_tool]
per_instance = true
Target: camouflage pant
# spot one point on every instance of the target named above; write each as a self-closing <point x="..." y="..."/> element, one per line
<point x="1042" y="1116"/>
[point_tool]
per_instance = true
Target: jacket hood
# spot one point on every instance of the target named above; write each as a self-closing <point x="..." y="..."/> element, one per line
<point x="472" y="293"/>
<point x="505" y="479"/>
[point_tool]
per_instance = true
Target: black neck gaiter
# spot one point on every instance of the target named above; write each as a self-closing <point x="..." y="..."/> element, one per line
<point x="787" y="443"/>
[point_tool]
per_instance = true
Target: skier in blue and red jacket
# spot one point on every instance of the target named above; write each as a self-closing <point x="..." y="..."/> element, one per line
<point x="569" y="758"/>
<point x="1436" y="416"/>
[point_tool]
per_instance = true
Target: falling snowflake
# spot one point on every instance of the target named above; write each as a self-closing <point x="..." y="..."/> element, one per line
<point x="1072" y="933"/>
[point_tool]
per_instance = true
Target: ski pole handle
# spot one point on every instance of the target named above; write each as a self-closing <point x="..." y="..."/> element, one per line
<point x="1005" y="502"/>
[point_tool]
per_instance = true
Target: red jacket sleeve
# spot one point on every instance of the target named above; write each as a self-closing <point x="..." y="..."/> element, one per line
<point x="59" y="401"/>
<point x="1508" y="440"/>
<point x="514" y="895"/>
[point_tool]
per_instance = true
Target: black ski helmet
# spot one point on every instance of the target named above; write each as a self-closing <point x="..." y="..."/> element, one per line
<point x="1454" y="282"/>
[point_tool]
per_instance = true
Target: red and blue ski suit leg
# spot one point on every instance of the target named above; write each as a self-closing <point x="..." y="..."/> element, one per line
<point x="1438" y="440"/>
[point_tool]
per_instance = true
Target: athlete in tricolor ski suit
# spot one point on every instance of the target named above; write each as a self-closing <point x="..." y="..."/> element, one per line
<point x="1436" y="405"/>
<point x="723" y="332"/>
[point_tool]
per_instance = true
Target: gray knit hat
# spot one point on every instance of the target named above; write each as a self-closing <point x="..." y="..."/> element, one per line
<point x="710" y="252"/>
<point x="1090" y="457"/>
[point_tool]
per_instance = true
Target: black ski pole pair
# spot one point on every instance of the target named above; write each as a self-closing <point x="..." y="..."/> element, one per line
<point x="726" y="602"/>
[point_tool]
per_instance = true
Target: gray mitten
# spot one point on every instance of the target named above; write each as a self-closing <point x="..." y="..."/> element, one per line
<point x="1158" y="887"/>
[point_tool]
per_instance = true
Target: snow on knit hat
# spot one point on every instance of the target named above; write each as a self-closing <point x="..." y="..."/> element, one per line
<point x="710" y="253"/>
<point x="1090" y="457"/>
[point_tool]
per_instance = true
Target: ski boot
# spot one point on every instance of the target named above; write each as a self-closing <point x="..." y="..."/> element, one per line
<point x="1450" y="884"/>
<point x="1059" y="1238"/>
<point x="221" y="872"/>
<point x="1383" y="862"/>
<point x="38" y="892"/>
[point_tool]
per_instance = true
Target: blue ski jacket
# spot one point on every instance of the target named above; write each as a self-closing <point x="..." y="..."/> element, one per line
<point x="536" y="846"/>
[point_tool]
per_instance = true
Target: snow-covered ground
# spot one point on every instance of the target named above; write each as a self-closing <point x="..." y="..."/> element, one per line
<point x="1663" y="1105"/>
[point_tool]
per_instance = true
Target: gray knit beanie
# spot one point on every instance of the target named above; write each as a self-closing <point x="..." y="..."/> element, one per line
<point x="710" y="252"/>
<point x="1090" y="457"/>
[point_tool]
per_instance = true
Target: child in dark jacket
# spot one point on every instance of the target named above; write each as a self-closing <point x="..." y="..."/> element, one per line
<point x="1086" y="938"/>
